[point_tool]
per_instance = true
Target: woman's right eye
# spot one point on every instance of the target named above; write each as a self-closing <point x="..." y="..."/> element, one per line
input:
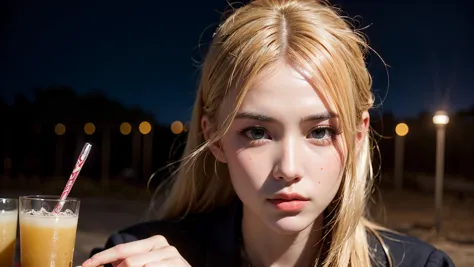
<point x="256" y="133"/>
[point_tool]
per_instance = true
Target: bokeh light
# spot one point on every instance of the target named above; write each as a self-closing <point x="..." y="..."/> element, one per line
<point x="125" y="128"/>
<point x="401" y="129"/>
<point x="89" y="128"/>
<point x="144" y="127"/>
<point x="60" y="129"/>
<point x="177" y="127"/>
<point x="441" y="118"/>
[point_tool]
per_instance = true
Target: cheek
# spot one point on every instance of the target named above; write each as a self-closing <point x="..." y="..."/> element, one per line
<point x="245" y="170"/>
<point x="248" y="170"/>
<point x="325" y="172"/>
<point x="328" y="165"/>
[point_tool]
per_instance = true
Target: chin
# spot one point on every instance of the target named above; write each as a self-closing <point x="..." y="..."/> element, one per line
<point x="290" y="224"/>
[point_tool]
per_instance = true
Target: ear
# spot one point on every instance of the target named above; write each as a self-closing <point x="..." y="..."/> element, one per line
<point x="363" y="129"/>
<point x="208" y="130"/>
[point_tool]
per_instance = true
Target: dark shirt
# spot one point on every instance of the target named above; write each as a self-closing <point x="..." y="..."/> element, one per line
<point x="214" y="240"/>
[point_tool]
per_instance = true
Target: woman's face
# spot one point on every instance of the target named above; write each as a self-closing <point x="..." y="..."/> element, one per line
<point x="282" y="151"/>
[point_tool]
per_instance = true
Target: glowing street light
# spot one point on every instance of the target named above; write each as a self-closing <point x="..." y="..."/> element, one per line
<point x="440" y="119"/>
<point x="401" y="130"/>
<point x="177" y="127"/>
<point x="144" y="128"/>
<point x="60" y="129"/>
<point x="125" y="128"/>
<point x="89" y="128"/>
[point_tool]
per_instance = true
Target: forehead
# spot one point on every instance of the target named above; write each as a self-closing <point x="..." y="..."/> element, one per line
<point x="282" y="91"/>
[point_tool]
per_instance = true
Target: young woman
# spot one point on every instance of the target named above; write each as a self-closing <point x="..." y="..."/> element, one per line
<point x="277" y="165"/>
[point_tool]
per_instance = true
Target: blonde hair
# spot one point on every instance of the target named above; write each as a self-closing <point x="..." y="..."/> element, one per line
<point x="312" y="37"/>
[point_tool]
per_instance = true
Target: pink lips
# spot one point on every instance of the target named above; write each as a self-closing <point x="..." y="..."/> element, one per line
<point x="289" y="202"/>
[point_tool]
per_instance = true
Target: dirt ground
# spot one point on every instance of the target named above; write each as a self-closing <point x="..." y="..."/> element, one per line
<point x="414" y="214"/>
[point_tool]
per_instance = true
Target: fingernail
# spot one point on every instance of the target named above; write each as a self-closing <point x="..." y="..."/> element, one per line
<point x="86" y="263"/>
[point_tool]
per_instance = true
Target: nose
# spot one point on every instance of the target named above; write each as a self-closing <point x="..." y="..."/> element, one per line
<point x="288" y="166"/>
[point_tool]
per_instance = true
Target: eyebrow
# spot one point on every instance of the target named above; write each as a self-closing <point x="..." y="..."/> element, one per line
<point x="261" y="117"/>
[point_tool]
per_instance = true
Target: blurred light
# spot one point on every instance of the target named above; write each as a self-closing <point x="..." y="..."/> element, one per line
<point x="441" y="118"/>
<point x="125" y="128"/>
<point x="89" y="128"/>
<point x="60" y="129"/>
<point x="144" y="127"/>
<point x="401" y="129"/>
<point x="177" y="127"/>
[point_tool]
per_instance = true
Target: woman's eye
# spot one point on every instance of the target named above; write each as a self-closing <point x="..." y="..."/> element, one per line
<point x="321" y="133"/>
<point x="256" y="134"/>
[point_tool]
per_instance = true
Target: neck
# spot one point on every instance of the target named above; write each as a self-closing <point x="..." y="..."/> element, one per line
<point x="266" y="247"/>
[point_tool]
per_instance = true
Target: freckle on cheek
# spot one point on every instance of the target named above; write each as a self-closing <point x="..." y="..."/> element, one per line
<point x="321" y="169"/>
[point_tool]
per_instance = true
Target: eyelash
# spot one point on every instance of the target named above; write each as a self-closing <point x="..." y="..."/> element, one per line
<point x="326" y="141"/>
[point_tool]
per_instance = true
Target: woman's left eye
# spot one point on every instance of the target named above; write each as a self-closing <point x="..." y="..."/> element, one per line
<point x="321" y="133"/>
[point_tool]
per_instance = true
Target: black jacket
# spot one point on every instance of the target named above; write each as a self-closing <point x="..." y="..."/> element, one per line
<point x="213" y="240"/>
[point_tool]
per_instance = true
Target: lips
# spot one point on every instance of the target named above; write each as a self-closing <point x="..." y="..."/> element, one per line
<point x="289" y="196"/>
<point x="289" y="202"/>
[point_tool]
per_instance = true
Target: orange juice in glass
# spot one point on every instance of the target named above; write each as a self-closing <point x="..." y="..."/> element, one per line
<point x="8" y="226"/>
<point x="46" y="238"/>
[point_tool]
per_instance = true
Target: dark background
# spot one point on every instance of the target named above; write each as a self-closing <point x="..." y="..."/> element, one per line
<point x="107" y="62"/>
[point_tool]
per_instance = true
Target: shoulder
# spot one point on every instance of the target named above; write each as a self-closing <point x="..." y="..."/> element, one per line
<point x="407" y="251"/>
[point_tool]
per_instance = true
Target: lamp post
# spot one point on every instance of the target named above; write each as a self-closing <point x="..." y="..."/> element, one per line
<point x="401" y="130"/>
<point x="440" y="119"/>
<point x="146" y="130"/>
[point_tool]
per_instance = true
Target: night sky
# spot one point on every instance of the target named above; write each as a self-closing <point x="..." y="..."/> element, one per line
<point x="143" y="53"/>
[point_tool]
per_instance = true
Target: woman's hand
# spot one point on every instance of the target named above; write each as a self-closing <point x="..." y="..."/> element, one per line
<point x="151" y="252"/>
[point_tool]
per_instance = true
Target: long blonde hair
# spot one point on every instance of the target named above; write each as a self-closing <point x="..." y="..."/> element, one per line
<point x="314" y="38"/>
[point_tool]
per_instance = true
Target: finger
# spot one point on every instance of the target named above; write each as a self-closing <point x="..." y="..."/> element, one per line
<point x="171" y="262"/>
<point x="126" y="250"/>
<point x="145" y="259"/>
